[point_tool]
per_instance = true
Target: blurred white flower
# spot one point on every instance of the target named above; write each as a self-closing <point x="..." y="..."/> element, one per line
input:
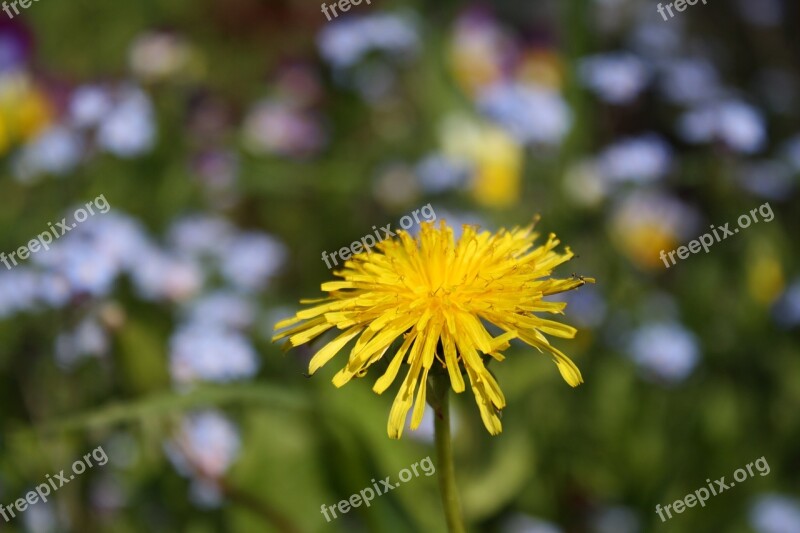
<point x="129" y="129"/>
<point x="616" y="78"/>
<point x="775" y="513"/>
<point x="158" y="55"/>
<point x="667" y="352"/>
<point x="641" y="159"/>
<point x="584" y="184"/>
<point x="204" y="352"/>
<point x="530" y="113"/>
<point x="739" y="126"/>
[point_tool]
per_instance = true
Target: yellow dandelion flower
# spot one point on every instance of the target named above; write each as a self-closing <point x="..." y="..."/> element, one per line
<point x="438" y="294"/>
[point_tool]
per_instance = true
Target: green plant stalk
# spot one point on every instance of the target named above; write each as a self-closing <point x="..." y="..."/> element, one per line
<point x="445" y="466"/>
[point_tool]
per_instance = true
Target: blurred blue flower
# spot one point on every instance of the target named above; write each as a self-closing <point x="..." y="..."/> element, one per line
<point x="205" y="446"/>
<point x="616" y="78"/>
<point x="88" y="106"/>
<point x="57" y="150"/>
<point x="85" y="269"/>
<point x="226" y="309"/>
<point x="520" y="523"/>
<point x="739" y="126"/>
<point x="129" y="129"/>
<point x="791" y="152"/>
<point x="205" y="352"/>
<point x="616" y="520"/>
<point x="344" y="42"/>
<point x="765" y="13"/>
<point x="586" y="307"/>
<point x="640" y="159"/>
<point x="689" y="81"/>
<point x="768" y="179"/>
<point x="775" y="513"/>
<point x="532" y="114"/>
<point x="787" y="308"/>
<point x="438" y="173"/>
<point x="667" y="352"/>
<point x="160" y="276"/>
<point x="18" y="291"/>
<point x="249" y="260"/>
<point x="88" y="339"/>
<point x="199" y="235"/>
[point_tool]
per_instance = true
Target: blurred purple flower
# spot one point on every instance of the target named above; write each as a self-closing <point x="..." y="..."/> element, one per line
<point x="275" y="127"/>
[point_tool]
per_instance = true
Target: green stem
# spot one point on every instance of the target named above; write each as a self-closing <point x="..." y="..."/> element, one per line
<point x="445" y="465"/>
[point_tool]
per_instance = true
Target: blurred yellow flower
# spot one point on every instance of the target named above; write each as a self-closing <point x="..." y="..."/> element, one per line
<point x="542" y="67"/>
<point x="25" y="111"/>
<point x="437" y="294"/>
<point x="765" y="277"/>
<point x="497" y="159"/>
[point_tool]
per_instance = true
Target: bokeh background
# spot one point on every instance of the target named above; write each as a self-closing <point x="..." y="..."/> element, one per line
<point x="236" y="141"/>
